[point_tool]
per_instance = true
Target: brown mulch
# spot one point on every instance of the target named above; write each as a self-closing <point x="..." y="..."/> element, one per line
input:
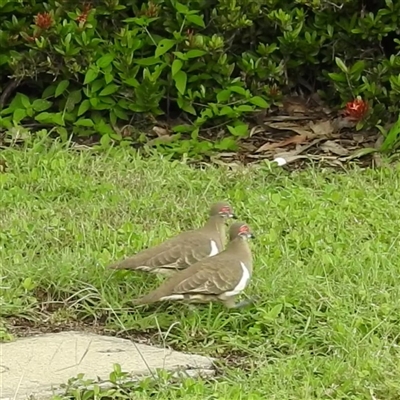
<point x="304" y="131"/>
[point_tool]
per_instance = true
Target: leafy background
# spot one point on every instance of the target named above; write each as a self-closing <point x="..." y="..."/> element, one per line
<point x="108" y="68"/>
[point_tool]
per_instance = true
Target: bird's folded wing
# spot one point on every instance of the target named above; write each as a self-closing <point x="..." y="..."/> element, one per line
<point x="181" y="254"/>
<point x="170" y="253"/>
<point x="209" y="281"/>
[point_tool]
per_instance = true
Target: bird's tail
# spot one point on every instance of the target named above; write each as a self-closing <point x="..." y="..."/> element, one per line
<point x="147" y="299"/>
<point x="128" y="265"/>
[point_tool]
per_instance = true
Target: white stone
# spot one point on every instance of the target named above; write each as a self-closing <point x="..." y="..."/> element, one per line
<point x="280" y="161"/>
<point x="37" y="365"/>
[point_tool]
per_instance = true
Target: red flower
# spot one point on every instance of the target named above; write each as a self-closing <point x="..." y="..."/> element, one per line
<point x="43" y="20"/>
<point x="356" y="109"/>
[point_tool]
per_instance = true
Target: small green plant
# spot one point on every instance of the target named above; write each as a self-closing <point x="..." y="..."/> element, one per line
<point x="391" y="137"/>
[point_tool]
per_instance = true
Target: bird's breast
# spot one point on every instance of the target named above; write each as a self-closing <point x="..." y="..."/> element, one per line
<point x="241" y="285"/>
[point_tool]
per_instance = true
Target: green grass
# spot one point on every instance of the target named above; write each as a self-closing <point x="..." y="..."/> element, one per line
<point x="326" y="267"/>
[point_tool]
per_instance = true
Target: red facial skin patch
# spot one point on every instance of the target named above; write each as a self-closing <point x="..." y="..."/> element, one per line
<point x="244" y="229"/>
<point x="225" y="210"/>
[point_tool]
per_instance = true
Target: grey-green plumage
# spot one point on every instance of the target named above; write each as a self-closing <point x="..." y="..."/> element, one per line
<point x="185" y="249"/>
<point x="219" y="278"/>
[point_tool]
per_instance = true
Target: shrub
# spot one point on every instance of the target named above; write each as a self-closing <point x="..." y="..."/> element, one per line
<point x="96" y="67"/>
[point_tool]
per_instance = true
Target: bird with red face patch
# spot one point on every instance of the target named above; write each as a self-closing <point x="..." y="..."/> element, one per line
<point x="185" y="249"/>
<point x="220" y="278"/>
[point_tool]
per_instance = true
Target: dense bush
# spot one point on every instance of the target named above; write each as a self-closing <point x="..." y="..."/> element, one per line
<point x="96" y="67"/>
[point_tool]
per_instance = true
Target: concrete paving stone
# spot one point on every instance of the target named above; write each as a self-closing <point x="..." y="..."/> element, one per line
<point x="38" y="365"/>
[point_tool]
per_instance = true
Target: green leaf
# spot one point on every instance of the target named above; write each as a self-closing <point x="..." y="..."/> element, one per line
<point x="357" y="67"/>
<point x="341" y="65"/>
<point x="108" y="77"/>
<point x="196" y="19"/>
<point x="24" y="100"/>
<point x="84" y="122"/>
<point x="360" y="153"/>
<point x="238" y="90"/>
<point x="40" y="105"/>
<point x="392" y="137"/>
<point x="180" y="55"/>
<point x="113" y="118"/>
<point x="244" y="108"/>
<point x="274" y="312"/>
<point x="84" y="106"/>
<point x="28" y="284"/>
<point x="91" y="75"/>
<point x="188" y="108"/>
<point x="19" y="114"/>
<point x="105" y="141"/>
<point x="239" y="130"/>
<point x="195" y="53"/>
<point x="74" y="98"/>
<point x="131" y="82"/>
<point x="145" y="62"/>
<point x="181" y="8"/>
<point x="120" y="113"/>
<point x="226" y="110"/>
<point x="4" y="59"/>
<point x="176" y="66"/>
<point x="63" y="133"/>
<point x="182" y="128"/>
<point x="223" y="96"/>
<point x="109" y="89"/>
<point x="228" y="143"/>
<point x="180" y="81"/>
<point x="259" y="102"/>
<point x="29" y="111"/>
<point x="6" y="122"/>
<point x="50" y="118"/>
<point x="49" y="91"/>
<point x="97" y="85"/>
<point x="195" y="133"/>
<point x="163" y="46"/>
<point x="61" y="88"/>
<point x="105" y="61"/>
<point x="337" y="77"/>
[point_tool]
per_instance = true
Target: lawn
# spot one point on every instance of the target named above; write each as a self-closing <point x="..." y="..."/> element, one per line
<point x="326" y="267"/>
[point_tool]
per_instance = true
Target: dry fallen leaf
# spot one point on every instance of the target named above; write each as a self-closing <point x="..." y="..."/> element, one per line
<point x="159" y="131"/>
<point x="294" y="105"/>
<point x="290" y="126"/>
<point x="292" y="140"/>
<point x="3" y="165"/>
<point x="282" y="118"/>
<point x="216" y="159"/>
<point x="333" y="147"/>
<point x="322" y="128"/>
